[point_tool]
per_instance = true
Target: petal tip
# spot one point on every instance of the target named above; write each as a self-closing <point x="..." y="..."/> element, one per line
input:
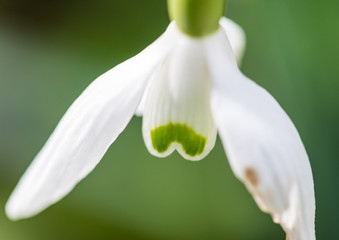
<point x="13" y="212"/>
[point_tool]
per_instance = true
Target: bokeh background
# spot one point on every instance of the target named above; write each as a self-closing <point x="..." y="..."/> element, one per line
<point x="50" y="50"/>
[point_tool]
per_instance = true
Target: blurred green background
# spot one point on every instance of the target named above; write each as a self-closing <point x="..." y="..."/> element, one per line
<point x="51" y="50"/>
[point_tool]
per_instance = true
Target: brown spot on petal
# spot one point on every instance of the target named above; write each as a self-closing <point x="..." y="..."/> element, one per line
<point x="287" y="237"/>
<point x="251" y="176"/>
<point x="287" y="233"/>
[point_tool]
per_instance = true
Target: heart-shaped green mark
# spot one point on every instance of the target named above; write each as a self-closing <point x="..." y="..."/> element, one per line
<point x="192" y="143"/>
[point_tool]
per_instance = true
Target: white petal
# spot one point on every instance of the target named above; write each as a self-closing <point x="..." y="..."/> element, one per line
<point x="262" y="144"/>
<point x="237" y="39"/>
<point x="85" y="132"/>
<point x="236" y="36"/>
<point x="140" y="109"/>
<point x="178" y="114"/>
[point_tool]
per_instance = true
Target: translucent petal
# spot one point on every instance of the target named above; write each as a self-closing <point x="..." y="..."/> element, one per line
<point x="178" y="112"/>
<point x="263" y="146"/>
<point x="85" y="132"/>
<point x="236" y="36"/>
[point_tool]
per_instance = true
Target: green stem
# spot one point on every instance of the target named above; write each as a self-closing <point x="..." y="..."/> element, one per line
<point x="196" y="18"/>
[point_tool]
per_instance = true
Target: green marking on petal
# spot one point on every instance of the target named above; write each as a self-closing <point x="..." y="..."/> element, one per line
<point x="192" y="143"/>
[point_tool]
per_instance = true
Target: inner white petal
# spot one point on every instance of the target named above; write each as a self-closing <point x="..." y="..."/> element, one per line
<point x="177" y="112"/>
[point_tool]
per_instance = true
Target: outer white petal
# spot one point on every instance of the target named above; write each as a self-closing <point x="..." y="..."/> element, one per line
<point x="178" y="115"/>
<point x="85" y="132"/>
<point x="236" y="36"/>
<point x="262" y="144"/>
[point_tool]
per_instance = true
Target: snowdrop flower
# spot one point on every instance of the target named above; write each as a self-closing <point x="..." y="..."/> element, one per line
<point x="187" y="87"/>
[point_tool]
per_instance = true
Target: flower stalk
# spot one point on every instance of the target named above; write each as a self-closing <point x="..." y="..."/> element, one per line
<point x="196" y="18"/>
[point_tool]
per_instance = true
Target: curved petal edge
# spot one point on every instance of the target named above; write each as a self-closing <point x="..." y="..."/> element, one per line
<point x="236" y="36"/>
<point x="85" y="132"/>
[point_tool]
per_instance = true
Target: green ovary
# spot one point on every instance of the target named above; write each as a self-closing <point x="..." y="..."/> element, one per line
<point x="192" y="143"/>
<point x="196" y="18"/>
